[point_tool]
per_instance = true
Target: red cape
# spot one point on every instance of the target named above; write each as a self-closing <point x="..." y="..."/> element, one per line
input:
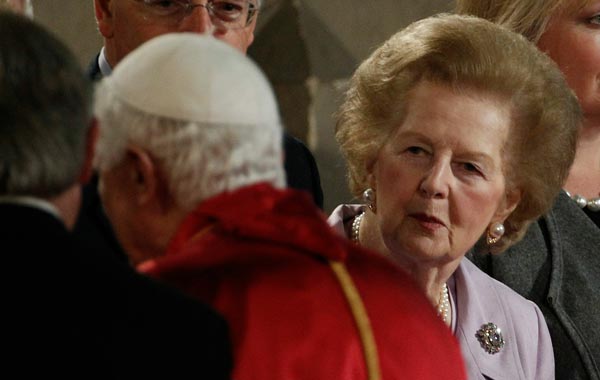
<point x="261" y="257"/>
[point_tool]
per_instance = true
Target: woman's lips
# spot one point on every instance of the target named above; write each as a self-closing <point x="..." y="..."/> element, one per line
<point x="428" y="222"/>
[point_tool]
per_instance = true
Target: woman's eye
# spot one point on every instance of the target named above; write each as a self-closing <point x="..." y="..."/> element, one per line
<point x="594" y="20"/>
<point x="470" y="168"/>
<point x="416" y="150"/>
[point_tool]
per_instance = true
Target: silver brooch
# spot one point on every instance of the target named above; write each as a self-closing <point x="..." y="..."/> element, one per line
<point x="490" y="338"/>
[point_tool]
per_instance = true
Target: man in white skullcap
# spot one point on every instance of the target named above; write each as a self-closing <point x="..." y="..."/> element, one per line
<point x="124" y="25"/>
<point x="192" y="178"/>
<point x="222" y="133"/>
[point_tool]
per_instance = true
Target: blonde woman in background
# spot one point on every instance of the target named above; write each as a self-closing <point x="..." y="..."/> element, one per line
<point x="557" y="265"/>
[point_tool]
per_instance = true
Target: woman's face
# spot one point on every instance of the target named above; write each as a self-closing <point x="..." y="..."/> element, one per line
<point x="572" y="40"/>
<point x="439" y="180"/>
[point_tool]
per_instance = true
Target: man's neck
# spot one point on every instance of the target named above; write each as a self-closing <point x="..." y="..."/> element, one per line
<point x="68" y="203"/>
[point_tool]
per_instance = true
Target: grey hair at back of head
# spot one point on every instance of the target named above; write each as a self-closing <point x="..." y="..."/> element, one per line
<point x="198" y="160"/>
<point x="210" y="121"/>
<point x="45" y="106"/>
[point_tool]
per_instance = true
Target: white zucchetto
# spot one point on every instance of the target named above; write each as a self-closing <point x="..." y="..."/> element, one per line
<point x="192" y="77"/>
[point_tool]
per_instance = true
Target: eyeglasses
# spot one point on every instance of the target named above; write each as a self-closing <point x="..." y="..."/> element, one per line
<point x="224" y="14"/>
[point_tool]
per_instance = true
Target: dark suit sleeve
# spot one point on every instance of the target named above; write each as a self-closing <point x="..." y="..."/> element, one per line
<point x="93" y="228"/>
<point x="168" y="335"/>
<point x="301" y="169"/>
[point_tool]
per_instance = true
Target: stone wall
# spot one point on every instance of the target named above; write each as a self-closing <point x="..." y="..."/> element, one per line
<point x="308" y="48"/>
<point x="73" y="21"/>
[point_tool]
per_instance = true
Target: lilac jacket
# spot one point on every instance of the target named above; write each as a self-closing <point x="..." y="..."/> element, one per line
<point x="478" y="299"/>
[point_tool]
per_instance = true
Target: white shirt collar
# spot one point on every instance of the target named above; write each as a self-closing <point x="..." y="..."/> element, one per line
<point x="33" y="202"/>
<point x="105" y="68"/>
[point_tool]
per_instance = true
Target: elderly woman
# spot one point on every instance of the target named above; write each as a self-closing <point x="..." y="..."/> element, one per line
<point x="457" y="131"/>
<point x="556" y="264"/>
<point x="192" y="178"/>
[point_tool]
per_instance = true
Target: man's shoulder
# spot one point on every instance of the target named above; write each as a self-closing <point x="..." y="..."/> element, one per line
<point x="146" y="321"/>
<point x="30" y="234"/>
<point x="17" y="216"/>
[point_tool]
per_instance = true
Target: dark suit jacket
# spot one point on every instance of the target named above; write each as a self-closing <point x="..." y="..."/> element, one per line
<point x="72" y="313"/>
<point x="557" y="265"/>
<point x="300" y="169"/>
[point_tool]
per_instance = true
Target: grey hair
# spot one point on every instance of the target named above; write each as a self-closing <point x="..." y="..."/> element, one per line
<point x="45" y="103"/>
<point x="198" y="160"/>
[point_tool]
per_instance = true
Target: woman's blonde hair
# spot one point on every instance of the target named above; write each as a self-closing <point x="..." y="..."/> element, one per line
<point x="467" y="53"/>
<point x="527" y="17"/>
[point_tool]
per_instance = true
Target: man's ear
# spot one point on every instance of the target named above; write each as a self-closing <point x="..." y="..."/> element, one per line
<point x="90" y="148"/>
<point x="250" y="38"/>
<point x="249" y="35"/>
<point x="143" y="175"/>
<point x="103" y="10"/>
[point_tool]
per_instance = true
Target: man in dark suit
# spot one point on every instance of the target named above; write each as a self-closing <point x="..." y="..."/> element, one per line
<point x="124" y="25"/>
<point x="69" y="311"/>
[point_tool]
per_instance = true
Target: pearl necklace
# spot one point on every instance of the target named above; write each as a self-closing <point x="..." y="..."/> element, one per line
<point x="443" y="306"/>
<point x="593" y="204"/>
<point x="356" y="227"/>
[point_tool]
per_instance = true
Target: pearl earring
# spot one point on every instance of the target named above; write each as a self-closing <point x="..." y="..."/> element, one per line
<point x="495" y="232"/>
<point x="368" y="197"/>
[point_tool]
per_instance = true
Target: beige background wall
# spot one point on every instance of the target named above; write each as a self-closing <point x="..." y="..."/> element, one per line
<point x="73" y="21"/>
<point x="308" y="48"/>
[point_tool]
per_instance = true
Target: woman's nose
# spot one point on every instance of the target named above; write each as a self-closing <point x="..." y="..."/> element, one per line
<point x="436" y="181"/>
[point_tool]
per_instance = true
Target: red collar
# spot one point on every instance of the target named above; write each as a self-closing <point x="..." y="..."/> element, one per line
<point x="264" y="213"/>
